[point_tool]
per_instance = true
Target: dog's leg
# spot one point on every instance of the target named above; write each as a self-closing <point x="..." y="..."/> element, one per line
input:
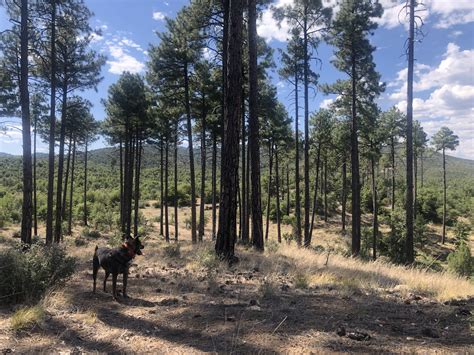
<point x="107" y="273"/>
<point x="125" y="279"/>
<point x="95" y="269"/>
<point x="114" y="285"/>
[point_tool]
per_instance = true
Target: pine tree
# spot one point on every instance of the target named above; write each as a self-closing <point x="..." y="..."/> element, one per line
<point x="349" y="32"/>
<point x="443" y="140"/>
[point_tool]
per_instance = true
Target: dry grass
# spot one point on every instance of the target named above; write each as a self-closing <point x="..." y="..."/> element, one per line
<point x="367" y="275"/>
<point x="27" y="317"/>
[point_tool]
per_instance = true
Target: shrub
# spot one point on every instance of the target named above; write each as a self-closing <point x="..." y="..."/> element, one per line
<point x="208" y="259"/>
<point x="288" y="220"/>
<point x="301" y="281"/>
<point x="272" y="246"/>
<point x="87" y="233"/>
<point x="187" y="223"/>
<point x="27" y="275"/>
<point x="461" y="232"/>
<point x="172" y="250"/>
<point x="460" y="261"/>
<point x="79" y="242"/>
<point x="156" y="204"/>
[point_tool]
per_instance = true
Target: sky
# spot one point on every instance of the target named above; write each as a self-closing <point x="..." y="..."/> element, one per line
<point x="444" y="69"/>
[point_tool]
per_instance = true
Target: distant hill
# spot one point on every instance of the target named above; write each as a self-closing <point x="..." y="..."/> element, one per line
<point x="457" y="168"/>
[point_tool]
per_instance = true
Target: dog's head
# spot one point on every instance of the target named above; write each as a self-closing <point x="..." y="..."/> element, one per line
<point x="134" y="245"/>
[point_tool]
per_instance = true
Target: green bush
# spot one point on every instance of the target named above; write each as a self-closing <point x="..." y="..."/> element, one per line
<point x="461" y="232"/>
<point x="27" y="275"/>
<point x="460" y="261"/>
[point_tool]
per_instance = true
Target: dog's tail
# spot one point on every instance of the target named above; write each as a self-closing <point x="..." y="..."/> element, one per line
<point x="95" y="251"/>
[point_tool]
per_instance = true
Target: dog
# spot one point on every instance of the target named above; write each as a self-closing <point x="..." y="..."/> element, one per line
<point x="116" y="261"/>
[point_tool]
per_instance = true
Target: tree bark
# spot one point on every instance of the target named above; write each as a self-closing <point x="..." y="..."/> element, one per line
<point x="203" y="177"/>
<point x="443" y="237"/>
<point x="244" y="212"/>
<point x="269" y="194"/>
<point x="315" y="199"/>
<point x="167" y="227"/>
<point x="26" y="209"/>
<point x="66" y="178"/>
<point x="121" y="185"/>
<point x="59" y="189"/>
<point x="325" y="187"/>
<point x="287" y="189"/>
<point x="355" y="179"/>
<point x="161" y="187"/>
<point x="85" y="216"/>
<point x="52" y="128"/>
<point x="307" y="240"/>
<point x="175" y="165"/>
<point x="138" y="159"/>
<point x="226" y="236"/>
<point x="254" y="129"/>
<point x="297" y="164"/>
<point x="35" y="188"/>
<point x="344" y="194"/>
<point x="409" y="247"/>
<point x="277" y="177"/>
<point x="69" y="225"/>
<point x="392" y="156"/>
<point x="214" y="183"/>
<point x="375" y="223"/>
<point x="191" y="154"/>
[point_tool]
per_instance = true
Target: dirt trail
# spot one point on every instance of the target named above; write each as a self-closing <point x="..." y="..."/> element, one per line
<point x="179" y="307"/>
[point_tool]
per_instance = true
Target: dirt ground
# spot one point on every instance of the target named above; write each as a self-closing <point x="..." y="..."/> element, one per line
<point x="189" y="304"/>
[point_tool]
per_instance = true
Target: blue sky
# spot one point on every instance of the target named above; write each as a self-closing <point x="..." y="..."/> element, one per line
<point x="444" y="74"/>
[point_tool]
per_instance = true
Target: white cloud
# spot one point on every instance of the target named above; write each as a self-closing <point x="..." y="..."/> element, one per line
<point x="326" y="103"/>
<point x="158" y="16"/>
<point x="123" y="61"/>
<point x="451" y="96"/>
<point x="268" y="28"/>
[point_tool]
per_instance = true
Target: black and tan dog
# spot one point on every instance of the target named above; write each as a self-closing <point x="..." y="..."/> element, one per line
<point x="116" y="261"/>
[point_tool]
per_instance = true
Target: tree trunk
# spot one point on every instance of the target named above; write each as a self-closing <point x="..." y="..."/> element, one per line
<point x="85" y="216"/>
<point x="59" y="192"/>
<point x="269" y="192"/>
<point x="315" y="199"/>
<point x="415" y="182"/>
<point x="307" y="241"/>
<point x="392" y="156"/>
<point x="375" y="223"/>
<point x="52" y="128"/>
<point x="175" y="197"/>
<point x="214" y="183"/>
<point x="297" y="165"/>
<point x="191" y="154"/>
<point x="244" y="212"/>
<point x="121" y="185"/>
<point x="35" y="189"/>
<point x="167" y="227"/>
<point x="138" y="155"/>
<point x="277" y="177"/>
<point x="325" y="187"/>
<point x="161" y="187"/>
<point x="226" y="236"/>
<point x="443" y="237"/>
<point x="287" y="189"/>
<point x="409" y="247"/>
<point x="344" y="194"/>
<point x="254" y="129"/>
<point x="69" y="225"/>
<point x="421" y="169"/>
<point x="355" y="183"/>
<point x="203" y="177"/>
<point x="26" y="209"/>
<point x="66" y="178"/>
